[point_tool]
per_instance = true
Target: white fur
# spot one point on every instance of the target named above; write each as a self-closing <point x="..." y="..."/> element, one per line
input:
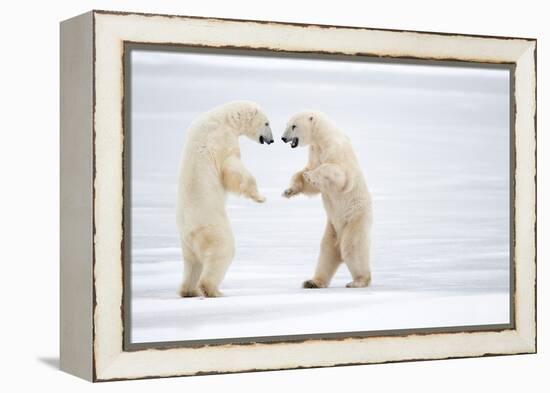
<point x="210" y="167"/>
<point x="333" y="171"/>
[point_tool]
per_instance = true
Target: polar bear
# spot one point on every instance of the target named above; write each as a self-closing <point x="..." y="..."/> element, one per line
<point x="334" y="171"/>
<point x="210" y="167"/>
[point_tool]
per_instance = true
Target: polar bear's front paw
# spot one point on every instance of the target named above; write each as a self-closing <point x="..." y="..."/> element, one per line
<point x="313" y="284"/>
<point x="290" y="192"/>
<point x="258" y="198"/>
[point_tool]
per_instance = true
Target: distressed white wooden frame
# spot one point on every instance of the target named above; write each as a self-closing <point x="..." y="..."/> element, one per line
<point x="92" y="230"/>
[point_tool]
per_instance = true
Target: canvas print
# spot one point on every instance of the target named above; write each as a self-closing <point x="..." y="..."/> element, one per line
<point x="283" y="196"/>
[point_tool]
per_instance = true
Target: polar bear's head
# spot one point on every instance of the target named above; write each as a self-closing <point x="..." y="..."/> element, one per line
<point x="259" y="129"/>
<point x="300" y="129"/>
<point x="248" y="119"/>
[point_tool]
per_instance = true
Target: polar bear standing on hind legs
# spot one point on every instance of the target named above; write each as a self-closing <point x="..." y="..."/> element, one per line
<point x="210" y="167"/>
<point x="333" y="170"/>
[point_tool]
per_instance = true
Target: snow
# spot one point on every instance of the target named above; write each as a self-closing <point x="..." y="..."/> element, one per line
<point x="437" y="172"/>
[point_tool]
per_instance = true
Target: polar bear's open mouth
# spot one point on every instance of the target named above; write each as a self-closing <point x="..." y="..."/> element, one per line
<point x="294" y="142"/>
<point x="263" y="140"/>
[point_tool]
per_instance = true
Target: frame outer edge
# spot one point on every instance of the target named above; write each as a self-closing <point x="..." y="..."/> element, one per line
<point x="117" y="364"/>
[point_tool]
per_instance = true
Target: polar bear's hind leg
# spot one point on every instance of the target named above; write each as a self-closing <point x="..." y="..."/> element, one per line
<point x="355" y="248"/>
<point x="215" y="267"/>
<point x="207" y="253"/>
<point x="191" y="272"/>
<point x="329" y="260"/>
<point x="217" y="249"/>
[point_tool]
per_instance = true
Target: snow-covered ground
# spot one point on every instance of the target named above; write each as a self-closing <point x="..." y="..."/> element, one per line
<point x="423" y="277"/>
<point x="436" y="166"/>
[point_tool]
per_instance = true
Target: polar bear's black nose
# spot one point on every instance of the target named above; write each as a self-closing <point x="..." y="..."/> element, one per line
<point x="284" y="139"/>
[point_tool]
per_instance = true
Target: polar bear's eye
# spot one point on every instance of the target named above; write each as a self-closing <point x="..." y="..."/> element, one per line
<point x="293" y="126"/>
<point x="266" y="124"/>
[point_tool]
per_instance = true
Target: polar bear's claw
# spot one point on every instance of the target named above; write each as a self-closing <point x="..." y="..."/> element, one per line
<point x="311" y="284"/>
<point x="289" y="192"/>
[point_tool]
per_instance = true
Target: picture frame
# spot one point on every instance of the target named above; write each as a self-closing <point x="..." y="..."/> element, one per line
<point x="94" y="297"/>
